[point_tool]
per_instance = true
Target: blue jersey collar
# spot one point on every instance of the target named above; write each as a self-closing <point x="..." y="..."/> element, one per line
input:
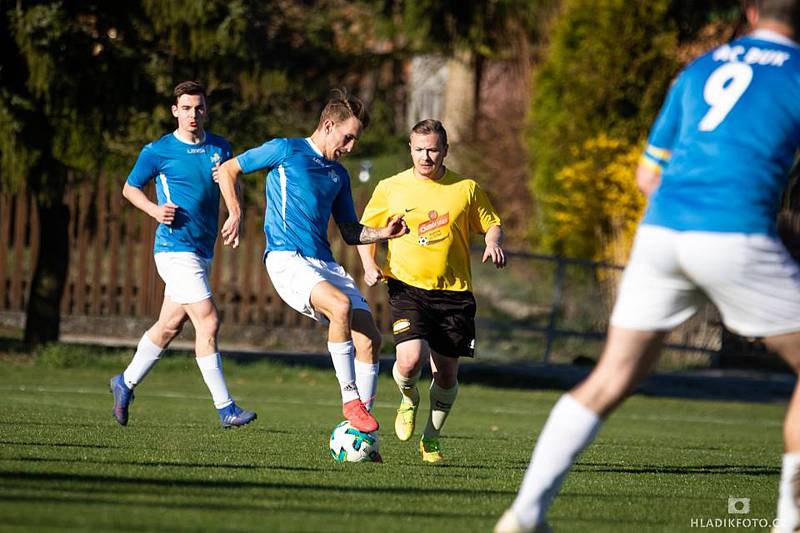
<point x="314" y="147"/>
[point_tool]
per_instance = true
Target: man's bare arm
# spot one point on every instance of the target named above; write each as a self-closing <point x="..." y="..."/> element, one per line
<point x="355" y="233"/>
<point x="229" y="187"/>
<point x="164" y="214"/>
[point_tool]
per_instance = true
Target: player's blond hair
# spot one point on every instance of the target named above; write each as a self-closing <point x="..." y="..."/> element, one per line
<point x="342" y="105"/>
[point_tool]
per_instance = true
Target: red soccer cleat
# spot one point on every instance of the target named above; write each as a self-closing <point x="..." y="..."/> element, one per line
<point x="358" y="416"/>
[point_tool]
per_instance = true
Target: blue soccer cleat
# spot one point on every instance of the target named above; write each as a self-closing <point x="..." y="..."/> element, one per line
<point x="123" y="396"/>
<point x="234" y="416"/>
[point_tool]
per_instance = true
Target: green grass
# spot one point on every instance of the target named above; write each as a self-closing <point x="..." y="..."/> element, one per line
<point x="65" y="464"/>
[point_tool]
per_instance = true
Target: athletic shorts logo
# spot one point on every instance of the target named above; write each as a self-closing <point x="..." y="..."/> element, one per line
<point x="401" y="325"/>
<point x="472" y="344"/>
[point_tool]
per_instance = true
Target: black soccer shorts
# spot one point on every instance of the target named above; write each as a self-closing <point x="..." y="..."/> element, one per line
<point x="445" y="319"/>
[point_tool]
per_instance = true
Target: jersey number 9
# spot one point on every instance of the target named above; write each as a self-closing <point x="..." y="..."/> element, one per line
<point x="723" y="89"/>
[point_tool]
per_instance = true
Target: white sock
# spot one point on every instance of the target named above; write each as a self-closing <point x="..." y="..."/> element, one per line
<point x="788" y="512"/>
<point x="367" y="381"/>
<point x="407" y="385"/>
<point x="568" y="430"/>
<point x="211" y="368"/>
<point x="442" y="401"/>
<point x="146" y="356"/>
<point x="343" y="357"/>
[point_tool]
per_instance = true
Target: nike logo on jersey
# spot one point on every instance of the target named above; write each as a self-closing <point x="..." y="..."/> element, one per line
<point x="409" y="210"/>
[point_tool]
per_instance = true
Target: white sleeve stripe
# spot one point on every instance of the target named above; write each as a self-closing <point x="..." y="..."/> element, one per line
<point x="163" y="178"/>
<point x="282" y="174"/>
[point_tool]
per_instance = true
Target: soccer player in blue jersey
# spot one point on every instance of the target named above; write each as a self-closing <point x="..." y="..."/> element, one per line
<point x="714" y="169"/>
<point x="184" y="165"/>
<point x="305" y="186"/>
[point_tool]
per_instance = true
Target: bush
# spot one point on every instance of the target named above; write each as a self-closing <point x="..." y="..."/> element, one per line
<point x="595" y="200"/>
<point x="607" y="68"/>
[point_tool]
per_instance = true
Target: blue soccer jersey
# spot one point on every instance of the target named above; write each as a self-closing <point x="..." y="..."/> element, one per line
<point x="726" y="138"/>
<point x="182" y="172"/>
<point x="303" y="190"/>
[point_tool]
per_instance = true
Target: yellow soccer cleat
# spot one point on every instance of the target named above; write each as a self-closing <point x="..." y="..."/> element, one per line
<point x="429" y="448"/>
<point x="404" y="422"/>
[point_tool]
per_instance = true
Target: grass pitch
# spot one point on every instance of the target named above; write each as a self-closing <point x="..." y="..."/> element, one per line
<point x="65" y="465"/>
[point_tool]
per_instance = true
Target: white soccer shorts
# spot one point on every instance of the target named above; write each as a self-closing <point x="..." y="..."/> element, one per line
<point x="752" y="280"/>
<point x="185" y="276"/>
<point x="294" y="276"/>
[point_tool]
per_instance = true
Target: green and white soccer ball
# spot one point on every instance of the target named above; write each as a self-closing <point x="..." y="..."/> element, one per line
<point x="351" y="445"/>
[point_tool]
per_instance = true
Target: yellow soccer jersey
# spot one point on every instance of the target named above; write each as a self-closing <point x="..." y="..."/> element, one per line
<point x="440" y="214"/>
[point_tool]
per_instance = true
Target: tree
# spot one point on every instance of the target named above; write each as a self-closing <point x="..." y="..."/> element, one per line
<point x="605" y="72"/>
<point x="83" y="85"/>
<point x="59" y="96"/>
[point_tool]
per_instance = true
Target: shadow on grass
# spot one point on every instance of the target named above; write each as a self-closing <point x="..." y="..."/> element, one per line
<point x="43" y="478"/>
<point x="691" y="470"/>
<point x="239" y="505"/>
<point x="165" y="464"/>
<point x="58" y="444"/>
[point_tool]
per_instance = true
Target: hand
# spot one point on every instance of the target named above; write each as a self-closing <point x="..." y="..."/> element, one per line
<point x="230" y="231"/>
<point x="396" y="227"/>
<point x="215" y="173"/>
<point x="165" y="214"/>
<point x="495" y="253"/>
<point x="372" y="274"/>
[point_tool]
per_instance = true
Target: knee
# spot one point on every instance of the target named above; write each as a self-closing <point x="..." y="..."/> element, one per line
<point x="340" y="309"/>
<point x="369" y="344"/>
<point x="446" y="378"/>
<point x="408" y="365"/>
<point x="175" y="325"/>
<point x="208" y="326"/>
<point x="169" y="329"/>
<point x="602" y="398"/>
<point x="445" y="382"/>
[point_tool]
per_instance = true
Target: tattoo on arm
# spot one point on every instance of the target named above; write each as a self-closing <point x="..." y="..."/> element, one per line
<point x="354" y="233"/>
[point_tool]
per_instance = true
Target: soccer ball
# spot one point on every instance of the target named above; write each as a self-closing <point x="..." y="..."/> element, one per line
<point x="354" y="446"/>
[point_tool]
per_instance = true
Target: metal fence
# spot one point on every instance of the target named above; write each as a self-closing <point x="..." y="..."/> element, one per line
<point x="541" y="308"/>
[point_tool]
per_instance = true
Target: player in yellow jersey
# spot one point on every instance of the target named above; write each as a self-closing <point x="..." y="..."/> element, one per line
<point x="429" y="275"/>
